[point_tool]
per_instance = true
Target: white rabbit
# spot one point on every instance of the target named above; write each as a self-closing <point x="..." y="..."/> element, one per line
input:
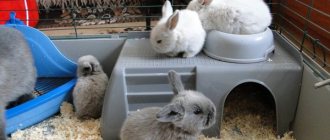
<point x="233" y="16"/>
<point x="17" y="70"/>
<point x="181" y="32"/>
<point x="184" y="118"/>
<point x="89" y="90"/>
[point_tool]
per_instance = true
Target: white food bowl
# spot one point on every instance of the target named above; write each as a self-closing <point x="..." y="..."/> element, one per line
<point x="239" y="48"/>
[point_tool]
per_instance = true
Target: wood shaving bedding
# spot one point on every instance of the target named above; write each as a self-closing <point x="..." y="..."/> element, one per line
<point x="62" y="127"/>
<point x="244" y="118"/>
<point x="249" y="113"/>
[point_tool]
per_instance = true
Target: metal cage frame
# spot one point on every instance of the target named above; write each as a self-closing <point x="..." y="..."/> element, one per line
<point x="316" y="51"/>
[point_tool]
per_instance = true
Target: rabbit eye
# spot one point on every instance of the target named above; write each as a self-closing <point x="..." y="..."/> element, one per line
<point x="159" y="41"/>
<point x="86" y="69"/>
<point x="173" y="113"/>
<point x="198" y="111"/>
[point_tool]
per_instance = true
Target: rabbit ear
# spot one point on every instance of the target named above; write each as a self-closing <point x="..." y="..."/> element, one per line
<point x="167" y="9"/>
<point x="175" y="82"/>
<point x="173" y="20"/>
<point x="171" y="112"/>
<point x="204" y="2"/>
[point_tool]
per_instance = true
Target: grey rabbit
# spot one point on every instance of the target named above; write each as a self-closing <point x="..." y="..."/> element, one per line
<point x="183" y="118"/>
<point x="17" y="70"/>
<point x="20" y="100"/>
<point x="89" y="90"/>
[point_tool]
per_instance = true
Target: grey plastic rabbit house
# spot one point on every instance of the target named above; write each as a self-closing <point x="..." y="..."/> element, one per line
<point x="139" y="79"/>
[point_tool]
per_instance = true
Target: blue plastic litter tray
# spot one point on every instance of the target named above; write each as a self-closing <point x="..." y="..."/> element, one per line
<point x="56" y="78"/>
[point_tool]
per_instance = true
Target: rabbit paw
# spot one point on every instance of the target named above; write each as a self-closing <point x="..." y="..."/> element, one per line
<point x="172" y="54"/>
<point x="188" y="54"/>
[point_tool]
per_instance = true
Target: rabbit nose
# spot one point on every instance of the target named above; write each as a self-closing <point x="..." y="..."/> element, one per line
<point x="86" y="65"/>
<point x="86" y="68"/>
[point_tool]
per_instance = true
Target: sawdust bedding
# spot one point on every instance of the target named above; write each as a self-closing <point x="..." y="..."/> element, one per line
<point x="243" y="119"/>
<point x="62" y="127"/>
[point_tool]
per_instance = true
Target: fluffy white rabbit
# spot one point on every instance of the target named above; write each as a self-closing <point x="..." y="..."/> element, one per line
<point x="184" y="118"/>
<point x="233" y="16"/>
<point x="178" y="32"/>
<point x="17" y="70"/>
<point x="89" y="90"/>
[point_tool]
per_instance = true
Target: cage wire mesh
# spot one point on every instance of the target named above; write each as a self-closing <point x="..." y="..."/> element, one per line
<point x="103" y="18"/>
<point x="305" y="23"/>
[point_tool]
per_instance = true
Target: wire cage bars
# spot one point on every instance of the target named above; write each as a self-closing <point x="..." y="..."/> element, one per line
<point x="303" y="22"/>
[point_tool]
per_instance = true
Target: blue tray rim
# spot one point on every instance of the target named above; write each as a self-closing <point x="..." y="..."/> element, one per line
<point x="59" y="91"/>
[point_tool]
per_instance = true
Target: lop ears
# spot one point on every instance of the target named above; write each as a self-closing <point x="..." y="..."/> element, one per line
<point x="173" y="20"/>
<point x="204" y="2"/>
<point x="171" y="112"/>
<point x="167" y="9"/>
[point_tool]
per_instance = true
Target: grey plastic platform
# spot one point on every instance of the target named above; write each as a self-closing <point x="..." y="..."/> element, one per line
<point x="139" y="79"/>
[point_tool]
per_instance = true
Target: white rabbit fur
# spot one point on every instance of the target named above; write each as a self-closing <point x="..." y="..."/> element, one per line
<point x="89" y="90"/>
<point x="233" y="16"/>
<point x="178" y="32"/>
<point x="184" y="118"/>
<point x="17" y="70"/>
